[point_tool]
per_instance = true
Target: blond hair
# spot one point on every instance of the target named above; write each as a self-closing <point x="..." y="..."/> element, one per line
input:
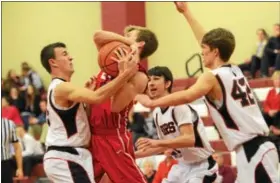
<point x="276" y="75"/>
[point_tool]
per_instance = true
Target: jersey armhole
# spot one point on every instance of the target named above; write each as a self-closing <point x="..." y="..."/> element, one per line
<point x="56" y="106"/>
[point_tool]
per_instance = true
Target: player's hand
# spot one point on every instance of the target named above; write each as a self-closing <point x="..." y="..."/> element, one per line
<point x="182" y="7"/>
<point x="19" y="173"/>
<point x="91" y="83"/>
<point x="126" y="61"/>
<point x="144" y="100"/>
<point x="143" y="144"/>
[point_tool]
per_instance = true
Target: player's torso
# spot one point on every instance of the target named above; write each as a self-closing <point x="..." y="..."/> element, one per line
<point x="237" y="115"/>
<point x="101" y="116"/>
<point x="167" y="128"/>
<point x="67" y="126"/>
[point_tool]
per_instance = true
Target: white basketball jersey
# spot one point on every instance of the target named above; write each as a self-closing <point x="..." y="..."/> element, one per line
<point x="67" y="126"/>
<point x="168" y="123"/>
<point x="238" y="117"/>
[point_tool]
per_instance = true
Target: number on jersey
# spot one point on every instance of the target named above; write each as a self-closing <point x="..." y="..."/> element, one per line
<point x="238" y="92"/>
<point x="168" y="128"/>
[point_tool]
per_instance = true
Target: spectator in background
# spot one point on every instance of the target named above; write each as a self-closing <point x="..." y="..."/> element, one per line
<point x="137" y="125"/>
<point x="16" y="99"/>
<point x="32" y="107"/>
<point x="9" y="137"/>
<point x="32" y="78"/>
<point x="271" y="55"/>
<point x="165" y="166"/>
<point x="225" y="171"/>
<point x="36" y="123"/>
<point x="272" y="102"/>
<point x="32" y="151"/>
<point x="10" y="112"/>
<point x="13" y="80"/>
<point x="253" y="64"/>
<point x="32" y="101"/>
<point x="149" y="171"/>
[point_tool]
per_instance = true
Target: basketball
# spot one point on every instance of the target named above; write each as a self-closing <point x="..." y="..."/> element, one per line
<point x="106" y="52"/>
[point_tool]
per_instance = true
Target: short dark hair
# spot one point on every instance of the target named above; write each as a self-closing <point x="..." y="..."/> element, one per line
<point x="162" y="71"/>
<point x="146" y="35"/>
<point x="221" y="39"/>
<point x="48" y="53"/>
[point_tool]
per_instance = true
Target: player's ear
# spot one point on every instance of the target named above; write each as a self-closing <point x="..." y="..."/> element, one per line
<point x="52" y="63"/>
<point x="141" y="44"/>
<point x="216" y="51"/>
<point x="167" y="84"/>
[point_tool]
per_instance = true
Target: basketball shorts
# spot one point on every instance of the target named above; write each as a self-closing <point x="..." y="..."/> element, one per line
<point x="257" y="161"/>
<point x="113" y="154"/>
<point x="68" y="165"/>
<point x="200" y="172"/>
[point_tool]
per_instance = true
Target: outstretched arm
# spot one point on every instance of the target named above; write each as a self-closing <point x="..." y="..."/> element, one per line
<point x="202" y="87"/>
<point x="196" y="27"/>
<point x="103" y="37"/>
<point x="70" y="92"/>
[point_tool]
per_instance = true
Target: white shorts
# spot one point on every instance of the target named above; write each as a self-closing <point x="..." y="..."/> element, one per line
<point x="69" y="165"/>
<point x="205" y="171"/>
<point x="257" y="162"/>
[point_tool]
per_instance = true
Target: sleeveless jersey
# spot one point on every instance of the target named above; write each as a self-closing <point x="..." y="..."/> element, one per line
<point x="237" y="117"/>
<point x="67" y="126"/>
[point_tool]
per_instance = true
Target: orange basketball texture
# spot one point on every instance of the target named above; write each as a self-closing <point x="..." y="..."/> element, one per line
<point x="107" y="51"/>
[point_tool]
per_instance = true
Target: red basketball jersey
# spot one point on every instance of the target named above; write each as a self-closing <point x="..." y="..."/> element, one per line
<point x="101" y="115"/>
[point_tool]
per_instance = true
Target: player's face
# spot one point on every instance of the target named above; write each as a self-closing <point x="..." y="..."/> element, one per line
<point x="63" y="60"/>
<point x="157" y="86"/>
<point x="208" y="55"/>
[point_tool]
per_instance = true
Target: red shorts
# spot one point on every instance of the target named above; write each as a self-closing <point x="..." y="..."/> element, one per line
<point x="114" y="154"/>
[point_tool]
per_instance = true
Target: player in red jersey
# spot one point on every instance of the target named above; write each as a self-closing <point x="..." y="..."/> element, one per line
<point x="112" y="145"/>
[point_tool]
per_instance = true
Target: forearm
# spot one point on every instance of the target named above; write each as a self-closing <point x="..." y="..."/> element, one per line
<point x="112" y="87"/>
<point x="176" y="98"/>
<point x="103" y="37"/>
<point x="149" y="152"/>
<point x="18" y="156"/>
<point x="178" y="142"/>
<point x="196" y="27"/>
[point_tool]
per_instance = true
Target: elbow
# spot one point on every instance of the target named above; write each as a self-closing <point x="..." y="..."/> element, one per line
<point x="97" y="36"/>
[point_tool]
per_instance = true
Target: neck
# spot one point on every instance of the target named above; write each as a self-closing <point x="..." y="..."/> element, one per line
<point x="218" y="63"/>
<point x="61" y="75"/>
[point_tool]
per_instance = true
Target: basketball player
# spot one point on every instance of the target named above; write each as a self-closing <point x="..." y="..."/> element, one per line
<point x="178" y="127"/>
<point x="231" y="104"/>
<point x="67" y="159"/>
<point x="112" y="145"/>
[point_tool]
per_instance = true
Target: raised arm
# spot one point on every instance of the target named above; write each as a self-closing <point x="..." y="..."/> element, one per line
<point x="196" y="27"/>
<point x="103" y="37"/>
<point x="203" y="85"/>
